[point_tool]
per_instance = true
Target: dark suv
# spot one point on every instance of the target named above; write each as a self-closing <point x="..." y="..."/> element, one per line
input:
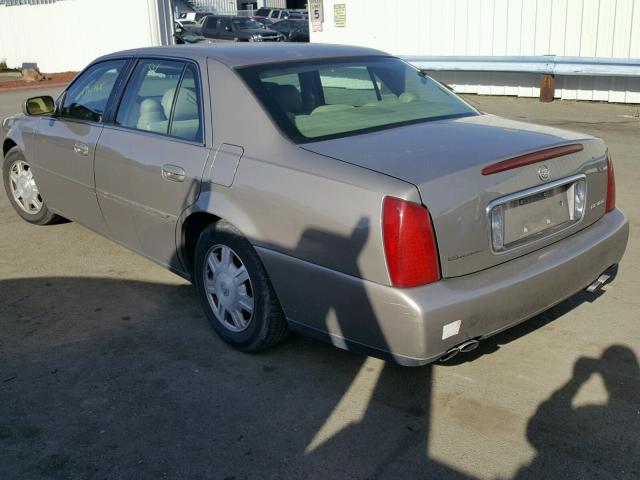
<point x="237" y="29"/>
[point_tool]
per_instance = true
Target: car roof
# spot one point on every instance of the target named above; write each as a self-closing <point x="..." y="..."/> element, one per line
<point x="241" y="55"/>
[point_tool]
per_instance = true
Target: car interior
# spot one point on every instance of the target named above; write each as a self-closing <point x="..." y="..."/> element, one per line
<point x="148" y="103"/>
<point x="326" y="101"/>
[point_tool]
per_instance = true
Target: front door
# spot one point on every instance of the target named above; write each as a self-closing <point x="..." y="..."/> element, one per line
<point x="149" y="163"/>
<point x="65" y="145"/>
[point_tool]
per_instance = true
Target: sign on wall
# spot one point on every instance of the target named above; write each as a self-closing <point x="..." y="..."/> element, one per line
<point x="316" y="12"/>
<point x="340" y="14"/>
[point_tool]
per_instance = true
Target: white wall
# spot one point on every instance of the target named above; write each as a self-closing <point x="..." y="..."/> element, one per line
<point x="602" y="28"/>
<point x="69" y="34"/>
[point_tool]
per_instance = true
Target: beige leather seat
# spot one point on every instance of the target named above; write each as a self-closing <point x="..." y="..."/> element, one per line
<point x="186" y="120"/>
<point x="152" y="116"/>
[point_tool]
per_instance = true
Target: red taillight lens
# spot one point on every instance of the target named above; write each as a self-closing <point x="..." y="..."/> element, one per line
<point x="409" y="243"/>
<point x="611" y="185"/>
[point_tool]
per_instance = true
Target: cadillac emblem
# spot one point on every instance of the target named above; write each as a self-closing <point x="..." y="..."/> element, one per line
<point x="544" y="173"/>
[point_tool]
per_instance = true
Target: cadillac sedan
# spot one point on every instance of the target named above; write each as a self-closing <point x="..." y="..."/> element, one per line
<point x="329" y="190"/>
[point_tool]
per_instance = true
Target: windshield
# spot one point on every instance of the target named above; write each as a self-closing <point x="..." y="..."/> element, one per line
<point x="244" y="23"/>
<point x="329" y="99"/>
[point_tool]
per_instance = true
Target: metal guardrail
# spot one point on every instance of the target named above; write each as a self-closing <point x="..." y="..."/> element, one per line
<point x="543" y="65"/>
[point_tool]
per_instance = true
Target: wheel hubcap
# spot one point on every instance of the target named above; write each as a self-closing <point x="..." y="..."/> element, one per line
<point x="229" y="289"/>
<point x="23" y="187"/>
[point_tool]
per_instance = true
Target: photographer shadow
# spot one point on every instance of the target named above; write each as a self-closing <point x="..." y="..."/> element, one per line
<point x="602" y="440"/>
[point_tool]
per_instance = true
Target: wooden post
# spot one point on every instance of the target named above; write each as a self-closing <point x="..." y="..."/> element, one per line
<point x="546" y="88"/>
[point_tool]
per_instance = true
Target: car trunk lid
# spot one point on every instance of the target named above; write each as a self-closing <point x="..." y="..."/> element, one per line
<point x="445" y="159"/>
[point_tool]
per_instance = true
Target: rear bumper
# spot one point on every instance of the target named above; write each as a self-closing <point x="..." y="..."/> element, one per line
<point x="407" y="325"/>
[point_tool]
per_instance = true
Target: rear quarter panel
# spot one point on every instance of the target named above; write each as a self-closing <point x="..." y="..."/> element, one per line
<point x="283" y="198"/>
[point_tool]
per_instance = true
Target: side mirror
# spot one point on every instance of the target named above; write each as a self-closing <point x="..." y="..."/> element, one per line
<point x="44" y="105"/>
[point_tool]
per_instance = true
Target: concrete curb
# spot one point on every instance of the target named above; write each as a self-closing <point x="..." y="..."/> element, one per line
<point x="35" y="86"/>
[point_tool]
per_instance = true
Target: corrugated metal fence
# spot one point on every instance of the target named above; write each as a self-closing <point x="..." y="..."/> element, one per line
<point x="587" y="28"/>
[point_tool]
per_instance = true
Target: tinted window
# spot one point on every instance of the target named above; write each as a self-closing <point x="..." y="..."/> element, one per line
<point x="148" y="98"/>
<point x="87" y="97"/>
<point x="275" y="13"/>
<point x="242" y="23"/>
<point x="223" y="24"/>
<point x="335" y="99"/>
<point x="186" y="121"/>
<point x="262" y="12"/>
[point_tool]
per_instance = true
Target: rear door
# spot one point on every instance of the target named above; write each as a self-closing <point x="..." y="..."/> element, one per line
<point x="150" y="160"/>
<point x="65" y="145"/>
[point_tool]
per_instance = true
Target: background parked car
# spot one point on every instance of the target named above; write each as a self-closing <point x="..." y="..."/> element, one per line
<point x="238" y="29"/>
<point x="265" y="22"/>
<point x="293" y="30"/>
<point x="273" y="13"/>
<point x="184" y="36"/>
<point x="188" y="25"/>
<point x="195" y="16"/>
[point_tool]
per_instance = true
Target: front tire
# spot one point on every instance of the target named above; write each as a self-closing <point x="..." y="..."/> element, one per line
<point x="235" y="291"/>
<point x="23" y="192"/>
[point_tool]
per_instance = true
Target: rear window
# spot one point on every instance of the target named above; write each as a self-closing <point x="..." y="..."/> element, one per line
<point x="328" y="99"/>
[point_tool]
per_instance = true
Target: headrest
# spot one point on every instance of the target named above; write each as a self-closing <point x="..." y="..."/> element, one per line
<point x="287" y="97"/>
<point x="186" y="105"/>
<point x="150" y="105"/>
<point x="407" y="97"/>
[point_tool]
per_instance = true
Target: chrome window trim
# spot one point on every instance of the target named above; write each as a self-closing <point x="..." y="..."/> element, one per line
<point x="526" y="193"/>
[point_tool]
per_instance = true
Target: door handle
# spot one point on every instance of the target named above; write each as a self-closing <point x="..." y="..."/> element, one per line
<point x="173" y="173"/>
<point x="81" y="149"/>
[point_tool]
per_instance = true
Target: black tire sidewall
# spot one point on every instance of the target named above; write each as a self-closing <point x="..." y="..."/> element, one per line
<point x="224" y="234"/>
<point x="44" y="216"/>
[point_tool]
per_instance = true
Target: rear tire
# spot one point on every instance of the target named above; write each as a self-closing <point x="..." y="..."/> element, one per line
<point x="23" y="192"/>
<point x="235" y="291"/>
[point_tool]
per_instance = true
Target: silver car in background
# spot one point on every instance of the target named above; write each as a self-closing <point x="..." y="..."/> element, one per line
<point x="330" y="190"/>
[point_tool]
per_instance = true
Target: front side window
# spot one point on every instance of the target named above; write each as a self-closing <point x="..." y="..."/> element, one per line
<point x="87" y="98"/>
<point x="150" y="103"/>
<point x="330" y="99"/>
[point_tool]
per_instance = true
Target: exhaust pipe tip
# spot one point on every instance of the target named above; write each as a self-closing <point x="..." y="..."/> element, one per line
<point x="464" y="347"/>
<point x="469" y="346"/>
<point x="449" y="354"/>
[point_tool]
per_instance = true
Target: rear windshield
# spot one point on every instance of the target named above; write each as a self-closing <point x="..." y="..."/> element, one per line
<point x="329" y="99"/>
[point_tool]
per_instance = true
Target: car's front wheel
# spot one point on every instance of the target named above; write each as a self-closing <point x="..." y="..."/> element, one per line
<point x="235" y="292"/>
<point x="22" y="190"/>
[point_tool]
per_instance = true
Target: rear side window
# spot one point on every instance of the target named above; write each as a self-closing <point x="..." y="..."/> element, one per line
<point x="86" y="99"/>
<point x="186" y="120"/>
<point x="150" y="103"/>
<point x="262" y="12"/>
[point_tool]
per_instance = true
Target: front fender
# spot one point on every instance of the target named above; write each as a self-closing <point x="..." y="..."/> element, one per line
<point x="19" y="130"/>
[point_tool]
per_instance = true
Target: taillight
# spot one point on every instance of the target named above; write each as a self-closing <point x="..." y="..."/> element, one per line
<point x="409" y="243"/>
<point x="611" y="185"/>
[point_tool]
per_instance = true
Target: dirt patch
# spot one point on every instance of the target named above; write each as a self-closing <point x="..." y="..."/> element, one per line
<point x="50" y="80"/>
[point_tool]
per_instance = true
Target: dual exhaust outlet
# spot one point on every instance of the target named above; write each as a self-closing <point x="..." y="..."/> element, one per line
<point x="464" y="347"/>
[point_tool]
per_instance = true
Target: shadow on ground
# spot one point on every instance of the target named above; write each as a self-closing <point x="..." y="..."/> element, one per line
<point x="118" y="379"/>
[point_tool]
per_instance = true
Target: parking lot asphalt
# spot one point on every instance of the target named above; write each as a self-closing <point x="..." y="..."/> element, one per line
<point x="109" y="370"/>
